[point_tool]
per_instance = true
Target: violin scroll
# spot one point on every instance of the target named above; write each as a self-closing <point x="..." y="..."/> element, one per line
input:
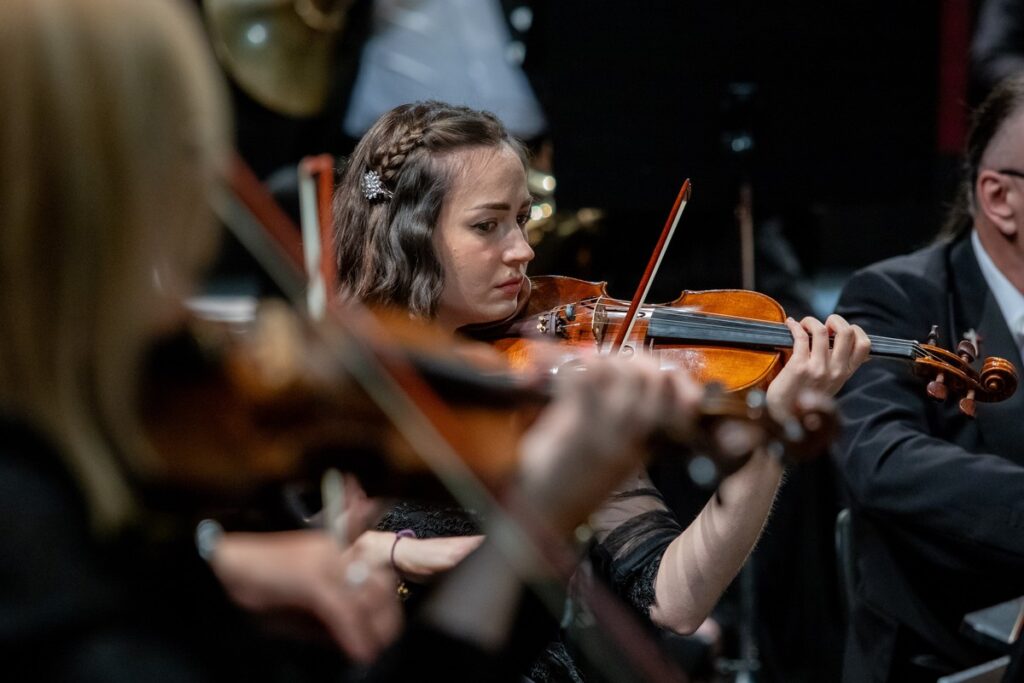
<point x="999" y="378"/>
<point x="953" y="375"/>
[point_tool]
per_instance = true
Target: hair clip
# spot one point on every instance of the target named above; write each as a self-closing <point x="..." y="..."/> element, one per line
<point x="373" y="187"/>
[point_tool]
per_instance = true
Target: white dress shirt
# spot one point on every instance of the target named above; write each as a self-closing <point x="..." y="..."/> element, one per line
<point x="1009" y="298"/>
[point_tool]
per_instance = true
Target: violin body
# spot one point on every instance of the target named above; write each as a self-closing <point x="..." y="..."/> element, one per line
<point x="232" y="408"/>
<point x="583" y="318"/>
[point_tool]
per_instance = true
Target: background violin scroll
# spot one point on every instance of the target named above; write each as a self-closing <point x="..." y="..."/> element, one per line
<point x="952" y="373"/>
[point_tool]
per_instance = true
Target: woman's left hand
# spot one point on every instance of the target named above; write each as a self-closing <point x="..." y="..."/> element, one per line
<point x="814" y="366"/>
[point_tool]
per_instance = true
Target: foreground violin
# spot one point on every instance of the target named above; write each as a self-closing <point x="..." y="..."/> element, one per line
<point x="284" y="398"/>
<point x="734" y="337"/>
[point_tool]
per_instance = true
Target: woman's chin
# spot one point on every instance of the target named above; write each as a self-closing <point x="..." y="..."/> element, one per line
<point x="493" y="313"/>
<point x="504" y="309"/>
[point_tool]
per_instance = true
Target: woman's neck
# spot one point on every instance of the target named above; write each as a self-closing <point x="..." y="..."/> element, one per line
<point x="446" y="323"/>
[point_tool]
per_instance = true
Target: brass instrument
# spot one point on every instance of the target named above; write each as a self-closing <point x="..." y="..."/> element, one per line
<point x="280" y="52"/>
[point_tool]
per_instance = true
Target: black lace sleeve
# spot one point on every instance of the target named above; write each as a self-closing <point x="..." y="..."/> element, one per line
<point x="632" y="529"/>
<point x="431" y="520"/>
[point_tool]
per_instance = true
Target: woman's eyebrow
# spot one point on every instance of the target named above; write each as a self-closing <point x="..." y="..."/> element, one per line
<point x="496" y="206"/>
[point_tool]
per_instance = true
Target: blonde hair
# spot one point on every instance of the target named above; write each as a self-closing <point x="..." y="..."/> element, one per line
<point x="112" y="125"/>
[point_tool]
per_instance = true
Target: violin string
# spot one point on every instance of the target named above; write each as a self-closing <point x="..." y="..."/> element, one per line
<point x="705" y="321"/>
<point x="880" y="345"/>
<point x="778" y="332"/>
<point x="709" y="321"/>
<point x="879" y="342"/>
<point x="746" y="323"/>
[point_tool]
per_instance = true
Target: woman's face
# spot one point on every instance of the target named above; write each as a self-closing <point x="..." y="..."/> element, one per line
<point x="480" y="236"/>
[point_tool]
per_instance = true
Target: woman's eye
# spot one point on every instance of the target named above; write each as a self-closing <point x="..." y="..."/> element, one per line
<point x="522" y="219"/>
<point x="486" y="226"/>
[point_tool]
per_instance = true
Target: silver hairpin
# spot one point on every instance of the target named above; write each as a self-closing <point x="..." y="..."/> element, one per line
<point x="373" y="186"/>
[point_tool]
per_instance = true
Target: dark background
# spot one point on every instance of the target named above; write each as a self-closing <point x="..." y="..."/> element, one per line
<point x="847" y="156"/>
<point x="844" y="120"/>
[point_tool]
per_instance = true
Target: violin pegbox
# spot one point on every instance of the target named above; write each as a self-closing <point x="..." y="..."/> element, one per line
<point x="953" y="374"/>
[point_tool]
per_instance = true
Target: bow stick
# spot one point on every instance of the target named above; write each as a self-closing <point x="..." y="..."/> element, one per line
<point x="652" y="266"/>
<point x="316" y="184"/>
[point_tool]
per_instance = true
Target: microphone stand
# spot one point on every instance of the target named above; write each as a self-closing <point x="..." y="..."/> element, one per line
<point x="738" y="139"/>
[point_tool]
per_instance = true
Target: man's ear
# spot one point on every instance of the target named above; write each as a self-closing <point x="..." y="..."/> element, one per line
<point x="993" y="193"/>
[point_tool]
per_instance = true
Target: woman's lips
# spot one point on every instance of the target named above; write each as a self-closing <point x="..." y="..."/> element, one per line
<point x="511" y="287"/>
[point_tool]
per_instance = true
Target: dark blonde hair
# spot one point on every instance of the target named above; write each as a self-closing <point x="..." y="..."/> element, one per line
<point x="385" y="249"/>
<point x="113" y="126"/>
<point x="1005" y="100"/>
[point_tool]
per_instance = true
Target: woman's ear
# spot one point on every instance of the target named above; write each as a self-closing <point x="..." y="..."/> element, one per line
<point x="999" y="201"/>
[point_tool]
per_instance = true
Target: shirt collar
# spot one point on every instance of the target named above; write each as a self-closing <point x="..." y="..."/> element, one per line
<point x="1009" y="298"/>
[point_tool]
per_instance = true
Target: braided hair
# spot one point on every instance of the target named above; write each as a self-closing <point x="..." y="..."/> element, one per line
<point x="1005" y="100"/>
<point x="384" y="236"/>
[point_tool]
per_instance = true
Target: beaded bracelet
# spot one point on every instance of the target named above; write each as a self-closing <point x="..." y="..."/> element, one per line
<point x="404" y="533"/>
<point x="402" y="590"/>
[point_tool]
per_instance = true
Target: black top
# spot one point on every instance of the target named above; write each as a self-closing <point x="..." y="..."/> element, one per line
<point x="632" y="530"/>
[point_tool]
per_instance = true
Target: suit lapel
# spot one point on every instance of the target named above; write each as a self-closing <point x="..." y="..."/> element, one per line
<point x="999" y="424"/>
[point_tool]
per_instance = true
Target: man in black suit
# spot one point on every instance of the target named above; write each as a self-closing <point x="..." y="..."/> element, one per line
<point x="937" y="497"/>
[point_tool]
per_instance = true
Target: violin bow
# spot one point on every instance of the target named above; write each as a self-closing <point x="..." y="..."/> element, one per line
<point x="652" y="266"/>
<point x="424" y="419"/>
<point x="316" y="185"/>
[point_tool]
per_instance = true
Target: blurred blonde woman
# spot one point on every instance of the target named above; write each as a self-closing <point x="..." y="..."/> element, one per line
<point x="113" y="125"/>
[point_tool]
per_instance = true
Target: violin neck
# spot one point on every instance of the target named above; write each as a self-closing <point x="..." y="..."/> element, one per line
<point x="683" y="327"/>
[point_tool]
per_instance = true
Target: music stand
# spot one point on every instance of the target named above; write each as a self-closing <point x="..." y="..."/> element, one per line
<point x="997" y="627"/>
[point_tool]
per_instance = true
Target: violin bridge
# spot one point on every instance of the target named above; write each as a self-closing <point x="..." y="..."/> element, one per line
<point x="599" y="323"/>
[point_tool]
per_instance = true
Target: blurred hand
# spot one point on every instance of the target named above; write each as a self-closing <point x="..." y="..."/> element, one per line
<point x="306" y="571"/>
<point x="596" y="432"/>
<point x="813" y="365"/>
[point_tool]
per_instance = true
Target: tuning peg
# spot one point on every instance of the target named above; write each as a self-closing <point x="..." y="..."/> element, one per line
<point x="967" y="351"/>
<point x="937" y="388"/>
<point x="967" y="405"/>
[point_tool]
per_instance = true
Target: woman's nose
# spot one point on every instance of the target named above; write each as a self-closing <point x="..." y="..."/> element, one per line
<point x="518" y="249"/>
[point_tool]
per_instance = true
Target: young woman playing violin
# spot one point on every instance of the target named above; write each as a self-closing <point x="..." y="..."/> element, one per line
<point x="113" y="127"/>
<point x="430" y="217"/>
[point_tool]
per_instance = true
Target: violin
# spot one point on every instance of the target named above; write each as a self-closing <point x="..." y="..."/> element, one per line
<point x="288" y="398"/>
<point x="735" y="338"/>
